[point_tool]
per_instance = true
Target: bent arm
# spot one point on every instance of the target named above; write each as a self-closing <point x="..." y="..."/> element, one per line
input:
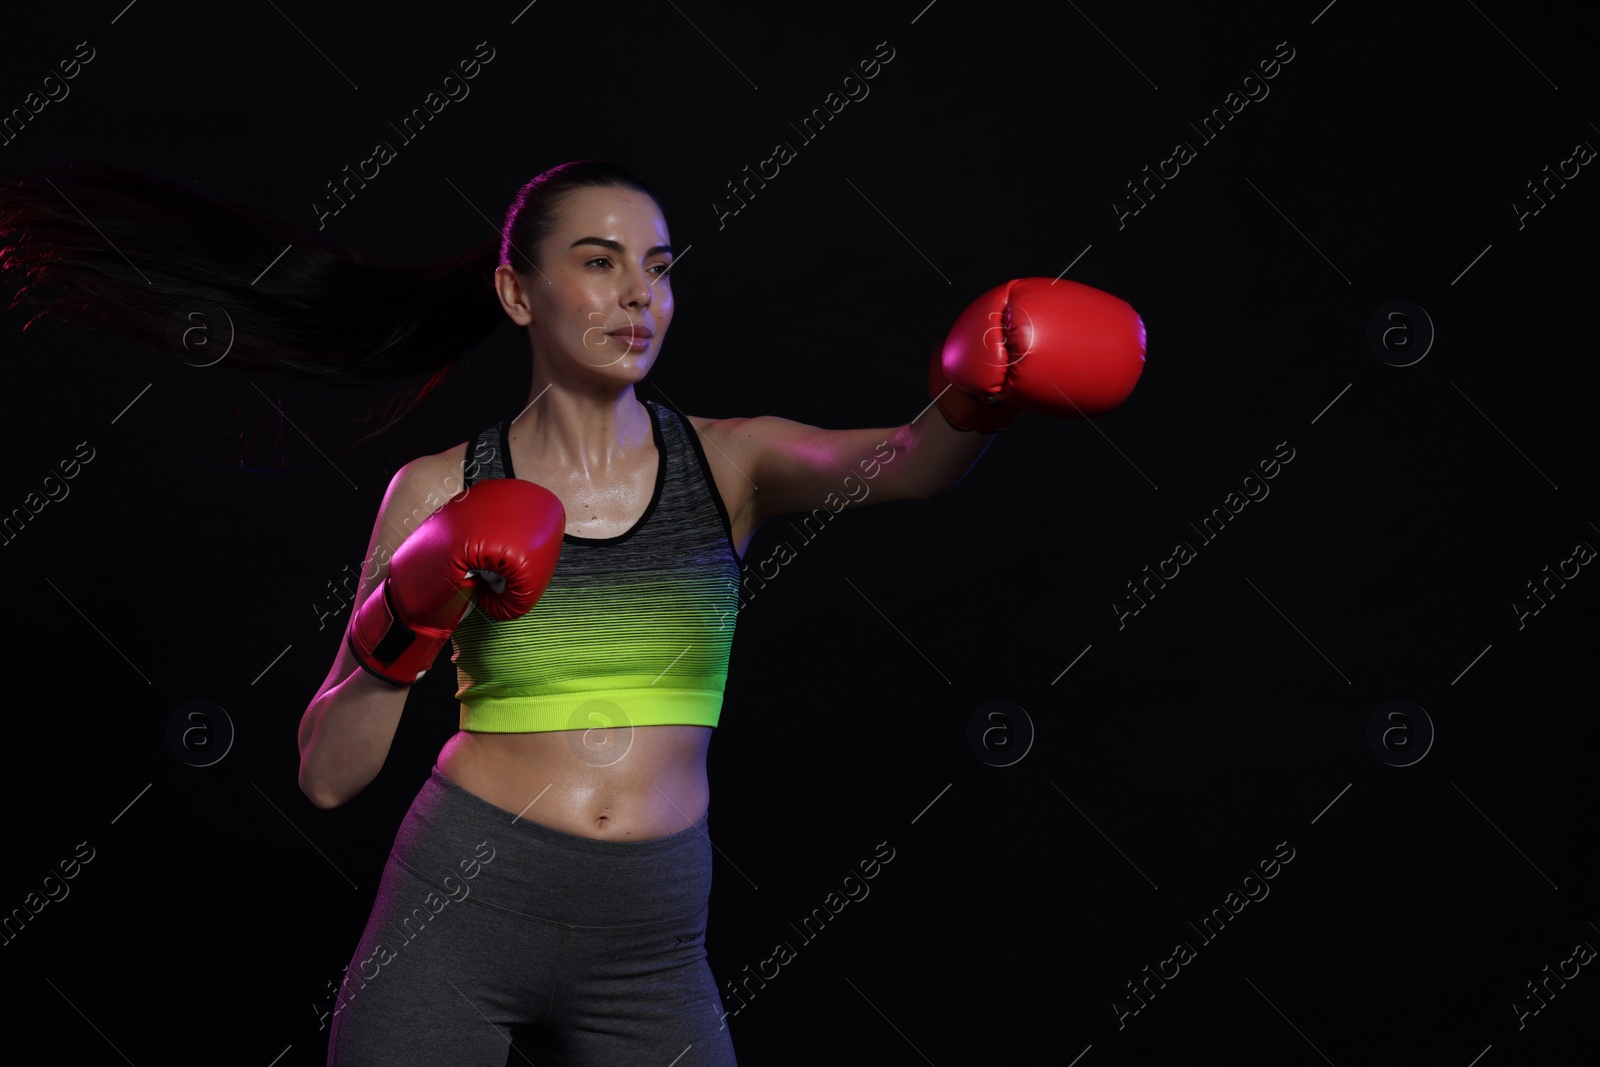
<point x="347" y="730"/>
<point x="345" y="736"/>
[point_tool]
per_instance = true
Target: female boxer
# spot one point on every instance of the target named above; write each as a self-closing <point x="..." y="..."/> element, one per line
<point x="584" y="556"/>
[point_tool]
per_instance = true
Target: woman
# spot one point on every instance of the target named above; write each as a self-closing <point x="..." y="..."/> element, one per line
<point x="552" y="874"/>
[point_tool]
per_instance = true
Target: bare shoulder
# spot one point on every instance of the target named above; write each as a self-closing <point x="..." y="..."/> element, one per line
<point x="745" y="442"/>
<point x="733" y="447"/>
<point x="417" y="490"/>
<point x="432" y="475"/>
<point x="735" y="443"/>
<point x="734" y="433"/>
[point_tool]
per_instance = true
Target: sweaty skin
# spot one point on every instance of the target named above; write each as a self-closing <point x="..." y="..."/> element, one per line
<point x="659" y="786"/>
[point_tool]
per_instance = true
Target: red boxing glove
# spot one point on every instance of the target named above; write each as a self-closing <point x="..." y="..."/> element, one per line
<point x="1054" y="347"/>
<point x="499" y="539"/>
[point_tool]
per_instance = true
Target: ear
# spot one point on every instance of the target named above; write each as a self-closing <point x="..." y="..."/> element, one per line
<point x="513" y="296"/>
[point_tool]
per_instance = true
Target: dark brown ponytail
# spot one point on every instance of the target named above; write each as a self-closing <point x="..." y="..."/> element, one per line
<point x="129" y="253"/>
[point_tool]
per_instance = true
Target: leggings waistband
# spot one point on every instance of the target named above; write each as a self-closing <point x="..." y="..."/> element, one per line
<point x="470" y="849"/>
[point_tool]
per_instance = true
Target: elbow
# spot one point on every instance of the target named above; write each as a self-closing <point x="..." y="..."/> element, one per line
<point x="317" y="796"/>
<point x="326" y="801"/>
<point x="319" y="792"/>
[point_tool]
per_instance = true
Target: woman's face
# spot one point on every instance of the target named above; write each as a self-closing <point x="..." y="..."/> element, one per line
<point x="600" y="299"/>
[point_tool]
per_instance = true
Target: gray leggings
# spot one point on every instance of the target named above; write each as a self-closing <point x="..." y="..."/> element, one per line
<point x="591" y="952"/>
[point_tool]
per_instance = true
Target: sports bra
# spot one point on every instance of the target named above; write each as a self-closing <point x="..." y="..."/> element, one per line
<point x="634" y="629"/>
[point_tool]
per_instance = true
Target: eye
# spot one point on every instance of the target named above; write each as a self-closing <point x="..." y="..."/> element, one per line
<point x="661" y="268"/>
<point x="602" y="260"/>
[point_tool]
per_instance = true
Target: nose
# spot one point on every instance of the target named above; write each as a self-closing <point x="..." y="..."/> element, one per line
<point x="638" y="293"/>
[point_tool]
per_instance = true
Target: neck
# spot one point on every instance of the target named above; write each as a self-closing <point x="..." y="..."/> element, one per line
<point x="591" y="429"/>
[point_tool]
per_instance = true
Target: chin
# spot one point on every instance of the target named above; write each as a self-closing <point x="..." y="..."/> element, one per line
<point x="626" y="371"/>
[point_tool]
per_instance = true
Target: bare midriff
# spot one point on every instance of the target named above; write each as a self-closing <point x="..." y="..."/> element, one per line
<point x="611" y="784"/>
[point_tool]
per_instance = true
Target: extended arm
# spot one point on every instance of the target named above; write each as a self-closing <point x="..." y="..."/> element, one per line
<point x="1059" y="348"/>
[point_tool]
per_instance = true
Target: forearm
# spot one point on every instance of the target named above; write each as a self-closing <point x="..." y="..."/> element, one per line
<point x="938" y="456"/>
<point x="345" y="735"/>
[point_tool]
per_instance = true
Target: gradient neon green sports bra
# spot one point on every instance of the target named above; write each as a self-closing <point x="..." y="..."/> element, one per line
<point x="633" y="630"/>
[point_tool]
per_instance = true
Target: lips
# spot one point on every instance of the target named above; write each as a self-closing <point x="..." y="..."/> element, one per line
<point x="636" y="338"/>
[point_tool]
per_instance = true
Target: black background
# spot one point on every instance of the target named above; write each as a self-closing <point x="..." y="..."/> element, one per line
<point x="1229" y="716"/>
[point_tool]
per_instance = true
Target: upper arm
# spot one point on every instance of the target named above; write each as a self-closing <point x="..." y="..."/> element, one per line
<point x="416" y="491"/>
<point x="796" y="467"/>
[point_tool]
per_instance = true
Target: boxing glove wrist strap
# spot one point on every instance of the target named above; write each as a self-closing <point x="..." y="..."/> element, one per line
<point x="387" y="647"/>
<point x="956" y="423"/>
<point x="961" y="411"/>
